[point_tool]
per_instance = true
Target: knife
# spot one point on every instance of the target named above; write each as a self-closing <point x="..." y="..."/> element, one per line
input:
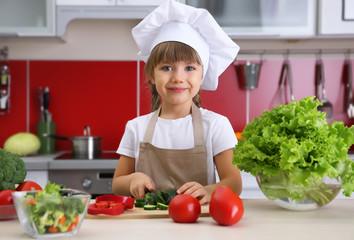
<point x="46" y="97"/>
<point x="41" y="106"/>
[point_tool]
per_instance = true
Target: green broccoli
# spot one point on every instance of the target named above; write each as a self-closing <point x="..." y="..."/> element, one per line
<point x="12" y="170"/>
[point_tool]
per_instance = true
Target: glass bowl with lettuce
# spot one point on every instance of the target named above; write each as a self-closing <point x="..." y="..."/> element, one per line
<point x="51" y="212"/>
<point x="300" y="160"/>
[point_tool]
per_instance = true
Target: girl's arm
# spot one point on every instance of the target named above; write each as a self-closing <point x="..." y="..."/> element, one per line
<point x="229" y="175"/>
<point x="128" y="182"/>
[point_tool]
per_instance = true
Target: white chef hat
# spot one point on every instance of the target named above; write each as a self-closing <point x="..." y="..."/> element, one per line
<point x="173" y="21"/>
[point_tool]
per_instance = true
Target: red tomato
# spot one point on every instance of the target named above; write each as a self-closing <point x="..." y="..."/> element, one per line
<point x="28" y="186"/>
<point x="184" y="208"/>
<point x="225" y="207"/>
<point x="6" y="197"/>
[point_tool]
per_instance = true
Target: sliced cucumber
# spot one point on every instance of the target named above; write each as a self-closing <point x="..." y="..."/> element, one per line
<point x="150" y="207"/>
<point x="140" y="200"/>
<point x="162" y="206"/>
<point x="138" y="204"/>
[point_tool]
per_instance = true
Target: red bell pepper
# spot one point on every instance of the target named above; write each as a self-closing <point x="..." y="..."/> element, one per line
<point x="116" y="210"/>
<point x="127" y="201"/>
<point x="110" y="205"/>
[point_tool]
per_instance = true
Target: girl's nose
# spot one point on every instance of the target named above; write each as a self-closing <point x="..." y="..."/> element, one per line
<point x="178" y="75"/>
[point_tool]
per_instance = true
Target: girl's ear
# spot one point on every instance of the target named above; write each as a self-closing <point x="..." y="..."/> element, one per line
<point x="151" y="79"/>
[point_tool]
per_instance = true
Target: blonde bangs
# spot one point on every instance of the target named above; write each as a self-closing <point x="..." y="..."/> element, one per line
<point x="175" y="52"/>
<point x="171" y="52"/>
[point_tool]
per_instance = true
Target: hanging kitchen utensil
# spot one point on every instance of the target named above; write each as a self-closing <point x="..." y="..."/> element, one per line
<point x="83" y="147"/>
<point x="248" y="75"/>
<point x="349" y="93"/>
<point x="280" y="96"/>
<point x="326" y="107"/>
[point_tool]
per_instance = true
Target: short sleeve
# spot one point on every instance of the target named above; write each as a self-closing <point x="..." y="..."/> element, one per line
<point x="223" y="135"/>
<point x="127" y="144"/>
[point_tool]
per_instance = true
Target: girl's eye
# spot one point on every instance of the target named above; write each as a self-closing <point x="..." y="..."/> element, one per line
<point x="166" y="68"/>
<point x="190" y="68"/>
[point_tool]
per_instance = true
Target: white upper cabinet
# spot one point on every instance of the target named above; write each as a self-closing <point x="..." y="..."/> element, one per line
<point x="68" y="10"/>
<point x="140" y="2"/>
<point x="336" y="17"/>
<point x="239" y="18"/>
<point x="27" y="18"/>
<point x="276" y="18"/>
<point x="86" y="2"/>
<point x="110" y="2"/>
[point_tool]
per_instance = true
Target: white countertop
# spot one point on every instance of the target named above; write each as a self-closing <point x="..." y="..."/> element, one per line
<point x="262" y="220"/>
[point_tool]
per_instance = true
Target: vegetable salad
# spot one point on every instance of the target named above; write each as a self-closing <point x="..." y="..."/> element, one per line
<point x="52" y="212"/>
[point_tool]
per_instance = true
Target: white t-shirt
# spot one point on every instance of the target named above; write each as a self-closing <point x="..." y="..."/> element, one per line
<point x="178" y="134"/>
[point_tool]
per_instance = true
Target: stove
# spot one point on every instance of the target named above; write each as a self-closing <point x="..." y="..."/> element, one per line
<point x="104" y="155"/>
<point x="90" y="175"/>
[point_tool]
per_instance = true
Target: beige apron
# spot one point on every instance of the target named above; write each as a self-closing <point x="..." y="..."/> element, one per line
<point x="171" y="168"/>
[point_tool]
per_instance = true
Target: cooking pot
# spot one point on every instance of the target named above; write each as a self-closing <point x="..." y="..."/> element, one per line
<point x="83" y="147"/>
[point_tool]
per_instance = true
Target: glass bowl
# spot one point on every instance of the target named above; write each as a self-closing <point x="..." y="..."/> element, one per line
<point x="51" y="216"/>
<point x="294" y="196"/>
<point x="7" y="212"/>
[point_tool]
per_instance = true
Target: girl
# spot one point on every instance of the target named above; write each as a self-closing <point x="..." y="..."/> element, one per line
<point x="179" y="144"/>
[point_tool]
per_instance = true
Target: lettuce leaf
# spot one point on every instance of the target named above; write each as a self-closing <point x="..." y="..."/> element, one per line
<point x="296" y="140"/>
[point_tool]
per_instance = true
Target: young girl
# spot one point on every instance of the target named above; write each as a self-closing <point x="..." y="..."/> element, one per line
<point x="179" y="145"/>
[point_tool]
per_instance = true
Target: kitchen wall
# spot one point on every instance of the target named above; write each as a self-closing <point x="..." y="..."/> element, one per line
<point x="96" y="79"/>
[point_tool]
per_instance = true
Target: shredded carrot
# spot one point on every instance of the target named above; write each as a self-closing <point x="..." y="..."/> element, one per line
<point x="53" y="229"/>
<point x="30" y="202"/>
<point x="76" y="220"/>
<point x="62" y="220"/>
<point x="70" y="229"/>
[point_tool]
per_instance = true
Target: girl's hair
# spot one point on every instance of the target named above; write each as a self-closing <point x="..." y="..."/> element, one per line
<point x="169" y="52"/>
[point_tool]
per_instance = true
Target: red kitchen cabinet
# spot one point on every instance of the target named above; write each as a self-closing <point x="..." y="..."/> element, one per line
<point x="100" y="94"/>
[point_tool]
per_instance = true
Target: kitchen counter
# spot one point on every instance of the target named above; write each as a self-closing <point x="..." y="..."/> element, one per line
<point x="48" y="162"/>
<point x="262" y="220"/>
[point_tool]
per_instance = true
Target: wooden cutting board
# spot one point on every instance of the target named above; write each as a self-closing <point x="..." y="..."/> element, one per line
<point x="141" y="213"/>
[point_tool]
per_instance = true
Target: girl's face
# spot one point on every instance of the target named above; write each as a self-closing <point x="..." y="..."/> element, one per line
<point x="177" y="82"/>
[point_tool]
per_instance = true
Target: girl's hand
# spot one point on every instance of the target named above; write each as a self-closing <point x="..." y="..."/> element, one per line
<point x="139" y="183"/>
<point x="195" y="190"/>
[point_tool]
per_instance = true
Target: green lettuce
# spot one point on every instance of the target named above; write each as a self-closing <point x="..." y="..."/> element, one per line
<point x="296" y="143"/>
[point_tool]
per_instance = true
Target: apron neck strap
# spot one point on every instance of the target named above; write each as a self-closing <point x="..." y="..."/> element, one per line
<point x="197" y="121"/>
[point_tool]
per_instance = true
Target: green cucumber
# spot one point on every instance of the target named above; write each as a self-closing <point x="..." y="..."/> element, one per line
<point x="140" y="200"/>
<point x="139" y="204"/>
<point x="162" y="206"/>
<point x="150" y="207"/>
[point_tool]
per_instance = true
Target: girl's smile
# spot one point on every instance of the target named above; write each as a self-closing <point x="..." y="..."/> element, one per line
<point x="177" y="89"/>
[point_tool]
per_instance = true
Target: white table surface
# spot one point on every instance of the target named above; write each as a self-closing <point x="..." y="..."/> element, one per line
<point x="262" y="220"/>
